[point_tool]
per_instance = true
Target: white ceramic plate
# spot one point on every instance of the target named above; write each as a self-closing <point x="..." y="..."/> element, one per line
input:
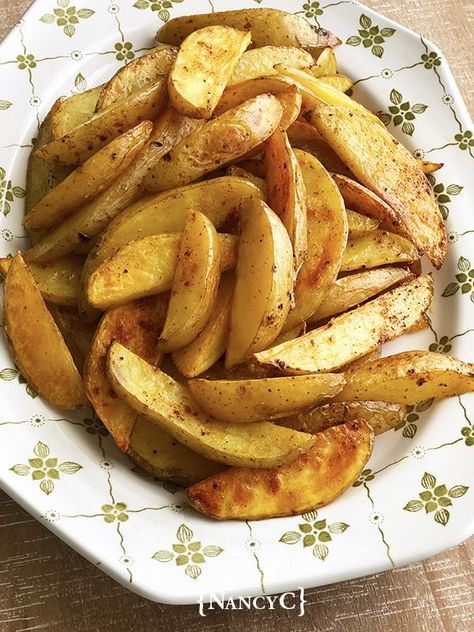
<point x="71" y="477"/>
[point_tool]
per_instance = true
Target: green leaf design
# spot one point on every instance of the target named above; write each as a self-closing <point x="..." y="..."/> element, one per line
<point x="36" y="462"/>
<point x="171" y="488"/>
<point x="337" y="527"/>
<point x="440" y="490"/>
<point x="321" y="524"/>
<point x="395" y="97"/>
<point x="310" y="516"/>
<point x="47" y="18"/>
<point x="4" y="105"/>
<point x="442" y="517"/>
<point x="290" y="537"/>
<point x="385" y="118"/>
<point x="419" y="108"/>
<point x="20" y="469"/>
<point x="141" y="4"/>
<point x="422" y="406"/>
<point x="387" y="32"/>
<point x="70" y="467"/>
<point x="69" y="30"/>
<point x="184" y="534"/>
<point x="212" y="550"/>
<point x="430" y="506"/>
<point x="308" y="540"/>
<point x="324" y="536"/>
<point x="428" y="481"/>
<point x="8" y="374"/>
<point x="37" y="475"/>
<point x="31" y="391"/>
<point x="164" y="15"/>
<point x="457" y="491"/>
<point x="192" y="571"/>
<point x="181" y="560"/>
<point x="53" y="473"/>
<point x="464" y="264"/>
<point x="450" y="290"/>
<point x="194" y="546"/>
<point x="409" y="431"/>
<point x="353" y="41"/>
<point x="85" y="13"/>
<point x="47" y="486"/>
<point x="408" y="128"/>
<point x="18" y="192"/>
<point x="198" y="558"/>
<point x="80" y="83"/>
<point x="41" y="450"/>
<point x="321" y="551"/>
<point x="377" y="51"/>
<point x="179" y="548"/>
<point x="163" y="556"/>
<point x="413" y="505"/>
<point x="454" y="189"/>
<point x="365" y="22"/>
<point x="63" y="3"/>
<point x="444" y="502"/>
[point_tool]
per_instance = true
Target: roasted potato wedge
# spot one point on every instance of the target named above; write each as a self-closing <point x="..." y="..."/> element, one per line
<point x="314" y="479"/>
<point x="89" y="179"/>
<point x="387" y="168"/>
<point x="206" y="349"/>
<point x="377" y="248"/>
<point x="36" y="342"/>
<point x="138" y="73"/>
<point x="430" y="167"/>
<point x="82" y="142"/>
<point x="380" y="416"/>
<point x="169" y="404"/>
<point x="138" y="325"/>
<point x="58" y="281"/>
<point x="264" y="282"/>
<point x="409" y="377"/>
<point x="259" y="62"/>
<point x="355" y="289"/>
<point x="195" y="283"/>
<point x="304" y="136"/>
<point x="72" y="112"/>
<point x="203" y="67"/>
<point x="339" y="82"/>
<point x="269" y="27"/>
<point x="358" y="332"/>
<point x="219" y="141"/>
<point x="359" y="224"/>
<point x="326" y="64"/>
<point x="286" y="194"/>
<point x="145" y="267"/>
<point x="242" y="401"/>
<point x="77" y="334"/>
<point x="327" y="238"/>
<point x="235" y="170"/>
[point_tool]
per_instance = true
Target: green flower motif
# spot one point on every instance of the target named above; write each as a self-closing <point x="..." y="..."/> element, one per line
<point x="314" y="533"/>
<point x="370" y="36"/>
<point x="44" y="468"/>
<point x="402" y="113"/>
<point x="8" y="192"/>
<point x="118" y="511"/>
<point x="26" y="61"/>
<point x="412" y="416"/>
<point x="312" y="10"/>
<point x="430" y="60"/>
<point x="468" y="435"/>
<point x="95" y="427"/>
<point x="187" y="552"/>
<point x="435" y="498"/>
<point x="365" y="477"/>
<point x="8" y="374"/>
<point x="159" y="6"/>
<point x="444" y="194"/>
<point x="464" y="280"/>
<point x="66" y="17"/>
<point x="442" y="346"/>
<point x="465" y="140"/>
<point x="124" y="51"/>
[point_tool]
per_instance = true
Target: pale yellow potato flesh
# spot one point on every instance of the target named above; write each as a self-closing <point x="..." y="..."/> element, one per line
<point x="359" y="224"/>
<point x="136" y="324"/>
<point x="381" y="416"/>
<point x="203" y="67"/>
<point x="326" y="63"/>
<point x="89" y="179"/>
<point x="339" y="82"/>
<point x="259" y="62"/>
<point x="354" y="289"/>
<point x="145" y="267"/>
<point x="264" y="282"/>
<point x="77" y="334"/>
<point x="195" y="283"/>
<point x="377" y="248"/>
<point x="353" y="334"/>
<point x="327" y="238"/>
<point x="138" y="73"/>
<point x="286" y="193"/>
<point x="314" y="479"/>
<point x="387" y="168"/>
<point x="206" y="349"/>
<point x="245" y="401"/>
<point x="236" y="170"/>
<point x="164" y="401"/>
<point x="408" y="378"/>
<point x="76" y="146"/>
<point x="218" y="142"/>
<point x="430" y="167"/>
<point x="268" y="27"/>
<point x="58" y="281"/>
<point x="73" y="111"/>
<point x="304" y="136"/>
<point x="36" y="342"/>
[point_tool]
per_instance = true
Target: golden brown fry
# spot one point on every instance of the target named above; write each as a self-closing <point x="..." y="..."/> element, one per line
<point x="72" y="112"/>
<point x="359" y="224"/>
<point x="304" y="136"/>
<point x="430" y="167"/>
<point x="339" y="82"/>
<point x="236" y="170"/>
<point x="326" y="64"/>
<point x="377" y="248"/>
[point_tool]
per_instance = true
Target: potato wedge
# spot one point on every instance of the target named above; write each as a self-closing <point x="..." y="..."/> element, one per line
<point x="235" y="170"/>
<point x="73" y="111"/>
<point x="145" y="267"/>
<point x="264" y="282"/>
<point x="89" y="179"/>
<point x="35" y="340"/>
<point x="58" y="281"/>
<point x="327" y="238"/>
<point x="259" y="62"/>
<point x="158" y="453"/>
<point x="138" y="325"/>
<point x="314" y="479"/>
<point x="430" y="167"/>
<point x="219" y="141"/>
<point x="377" y="248"/>
<point x="306" y="137"/>
<point x="339" y="82"/>
<point x="359" y="224"/>
<point x="286" y="194"/>
<point x="82" y="142"/>
<point x="408" y="378"/>
<point x="138" y="73"/>
<point x="243" y="401"/>
<point x="268" y="27"/>
<point x="76" y="332"/>
<point x="359" y="332"/>
<point x="195" y="283"/>
<point x="387" y="168"/>
<point x="203" y="67"/>
<point x="380" y="416"/>
<point x="326" y="64"/>
<point x="355" y="289"/>
<point x="169" y="404"/>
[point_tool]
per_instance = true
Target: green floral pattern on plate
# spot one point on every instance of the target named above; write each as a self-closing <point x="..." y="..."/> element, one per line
<point x="66" y="16"/>
<point x="436" y="498"/>
<point x="402" y="113"/>
<point x="371" y="36"/>
<point x="314" y="533"/>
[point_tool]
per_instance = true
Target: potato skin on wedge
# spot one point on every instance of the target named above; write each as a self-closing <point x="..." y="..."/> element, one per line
<point x="164" y="401"/>
<point x="312" y="480"/>
<point x="37" y="344"/>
